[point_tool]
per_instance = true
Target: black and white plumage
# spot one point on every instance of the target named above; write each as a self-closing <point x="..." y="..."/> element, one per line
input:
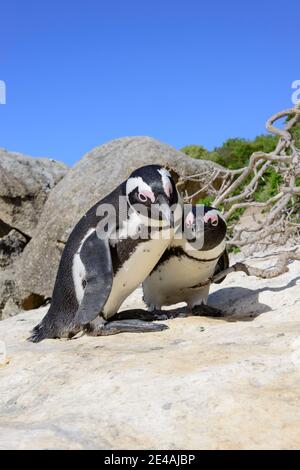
<point x="97" y="272"/>
<point x="183" y="272"/>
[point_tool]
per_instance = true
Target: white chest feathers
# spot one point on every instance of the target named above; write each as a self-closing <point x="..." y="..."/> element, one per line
<point x="139" y="264"/>
<point x="173" y="280"/>
<point x="133" y="271"/>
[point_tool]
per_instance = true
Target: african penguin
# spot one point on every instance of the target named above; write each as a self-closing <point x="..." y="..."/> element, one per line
<point x="111" y="250"/>
<point x="183" y="272"/>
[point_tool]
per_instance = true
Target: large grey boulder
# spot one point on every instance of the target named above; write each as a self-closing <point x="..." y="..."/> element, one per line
<point x="25" y="184"/>
<point x="94" y="176"/>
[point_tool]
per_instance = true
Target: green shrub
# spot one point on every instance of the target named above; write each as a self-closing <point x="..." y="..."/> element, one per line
<point x="234" y="154"/>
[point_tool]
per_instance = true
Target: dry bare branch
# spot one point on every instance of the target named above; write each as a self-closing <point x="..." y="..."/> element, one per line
<point x="278" y="218"/>
<point x="280" y="267"/>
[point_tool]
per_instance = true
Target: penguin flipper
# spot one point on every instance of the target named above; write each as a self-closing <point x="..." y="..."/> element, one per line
<point x="96" y="257"/>
<point x="223" y="263"/>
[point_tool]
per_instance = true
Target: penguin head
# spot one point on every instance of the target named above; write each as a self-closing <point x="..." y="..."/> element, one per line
<point x="152" y="188"/>
<point x="204" y="226"/>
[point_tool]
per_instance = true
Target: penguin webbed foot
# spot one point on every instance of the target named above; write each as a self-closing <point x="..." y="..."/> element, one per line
<point x="140" y="314"/>
<point x="100" y="327"/>
<point x="204" y="310"/>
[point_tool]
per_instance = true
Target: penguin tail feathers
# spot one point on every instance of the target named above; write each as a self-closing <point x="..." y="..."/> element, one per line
<point x="47" y="328"/>
<point x="39" y="333"/>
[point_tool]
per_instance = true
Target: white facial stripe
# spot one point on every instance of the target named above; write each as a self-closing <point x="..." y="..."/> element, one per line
<point x="164" y="171"/>
<point x="167" y="185"/>
<point x="137" y="182"/>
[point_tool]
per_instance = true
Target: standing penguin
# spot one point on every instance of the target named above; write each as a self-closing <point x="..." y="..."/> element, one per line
<point x="111" y="250"/>
<point x="184" y="271"/>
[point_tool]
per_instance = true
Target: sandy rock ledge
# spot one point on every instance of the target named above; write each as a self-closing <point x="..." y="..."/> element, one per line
<point x="203" y="383"/>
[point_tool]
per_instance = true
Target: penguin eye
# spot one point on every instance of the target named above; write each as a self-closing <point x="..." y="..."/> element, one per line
<point x="142" y="197"/>
<point x="212" y="218"/>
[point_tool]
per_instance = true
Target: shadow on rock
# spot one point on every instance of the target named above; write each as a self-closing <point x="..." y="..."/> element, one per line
<point x="242" y="304"/>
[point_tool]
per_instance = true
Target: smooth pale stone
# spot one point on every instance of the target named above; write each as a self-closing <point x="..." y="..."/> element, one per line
<point x="204" y="383"/>
<point x="2" y="353"/>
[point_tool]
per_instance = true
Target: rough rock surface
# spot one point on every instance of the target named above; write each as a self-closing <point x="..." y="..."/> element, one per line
<point x="93" y="177"/>
<point x="11" y="245"/>
<point x="7" y="293"/>
<point x="24" y="186"/>
<point x="204" y="383"/>
<point x="25" y="183"/>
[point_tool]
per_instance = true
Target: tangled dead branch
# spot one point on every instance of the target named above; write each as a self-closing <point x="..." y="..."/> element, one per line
<point x="271" y="223"/>
<point x="280" y="267"/>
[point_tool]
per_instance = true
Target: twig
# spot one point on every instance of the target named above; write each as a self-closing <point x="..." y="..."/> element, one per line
<point x="268" y="273"/>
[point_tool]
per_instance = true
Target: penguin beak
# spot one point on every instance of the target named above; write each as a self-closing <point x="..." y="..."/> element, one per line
<point x="165" y="210"/>
<point x="167" y="214"/>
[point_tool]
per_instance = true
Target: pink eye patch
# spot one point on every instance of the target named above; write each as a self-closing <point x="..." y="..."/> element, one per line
<point x="212" y="218"/>
<point x="144" y="195"/>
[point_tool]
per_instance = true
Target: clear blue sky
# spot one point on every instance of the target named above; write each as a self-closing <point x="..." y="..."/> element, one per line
<point x="79" y="73"/>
